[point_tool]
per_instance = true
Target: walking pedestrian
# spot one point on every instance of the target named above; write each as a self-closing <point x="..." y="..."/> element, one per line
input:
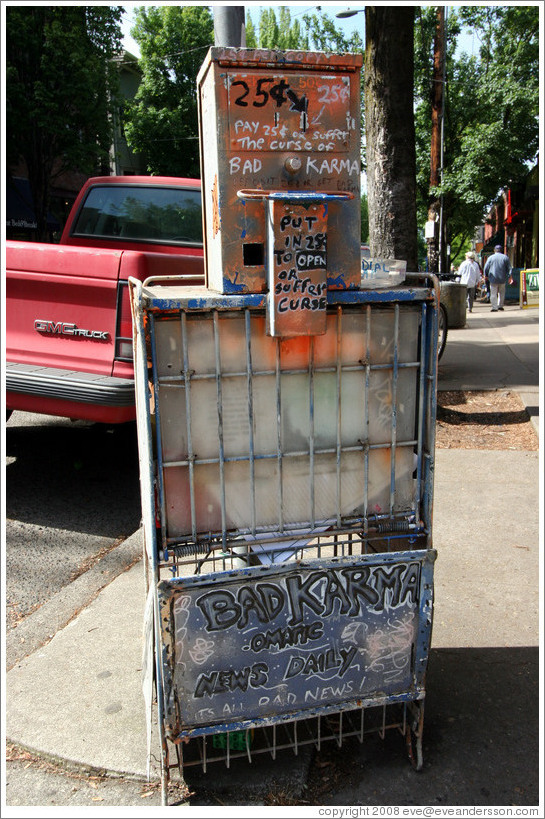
<point x="498" y="272"/>
<point x="470" y="274"/>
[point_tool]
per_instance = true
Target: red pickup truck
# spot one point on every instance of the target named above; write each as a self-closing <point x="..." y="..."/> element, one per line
<point x="68" y="319"/>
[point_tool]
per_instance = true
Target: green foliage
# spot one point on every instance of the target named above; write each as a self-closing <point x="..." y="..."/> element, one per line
<point x="315" y="32"/>
<point x="491" y="118"/>
<point x="251" y="36"/>
<point x="161" y="123"/>
<point x="364" y="219"/>
<point x="280" y="34"/>
<point x="59" y="81"/>
<point x="325" y="36"/>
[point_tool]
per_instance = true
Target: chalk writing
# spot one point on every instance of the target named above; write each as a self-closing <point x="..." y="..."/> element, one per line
<point x="303" y="113"/>
<point x="201" y="651"/>
<point x="257" y="136"/>
<point x="385" y="649"/>
<point x="389" y="649"/>
<point x="220" y="682"/>
<point x="181" y="616"/>
<point x="288" y="636"/>
<point x="333" y="166"/>
<point x="348" y="591"/>
<point x="339" y="661"/>
<point x="205" y="714"/>
<point x="296" y="638"/>
<point x="329" y="692"/>
<point x="236" y="165"/>
<point x="333" y="93"/>
<point x="283" y="698"/>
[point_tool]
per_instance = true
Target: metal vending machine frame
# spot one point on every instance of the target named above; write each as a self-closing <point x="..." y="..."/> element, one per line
<point x="286" y="462"/>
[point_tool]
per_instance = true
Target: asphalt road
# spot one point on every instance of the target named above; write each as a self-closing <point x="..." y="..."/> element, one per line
<point x="72" y="494"/>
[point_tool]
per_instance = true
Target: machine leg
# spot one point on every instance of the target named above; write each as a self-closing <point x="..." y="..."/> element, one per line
<point x="413" y="735"/>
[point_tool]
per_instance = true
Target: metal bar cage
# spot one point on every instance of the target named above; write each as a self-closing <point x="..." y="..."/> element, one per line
<point x="262" y="456"/>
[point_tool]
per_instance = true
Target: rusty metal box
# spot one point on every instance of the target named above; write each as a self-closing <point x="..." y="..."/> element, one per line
<point x="276" y="123"/>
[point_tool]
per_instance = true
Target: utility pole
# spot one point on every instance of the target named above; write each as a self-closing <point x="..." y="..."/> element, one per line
<point x="229" y="26"/>
<point x="435" y="227"/>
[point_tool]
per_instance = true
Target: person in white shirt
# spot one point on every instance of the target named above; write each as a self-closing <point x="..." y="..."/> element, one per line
<point x="469" y="274"/>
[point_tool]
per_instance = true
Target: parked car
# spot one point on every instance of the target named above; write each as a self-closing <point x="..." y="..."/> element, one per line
<point x="68" y="319"/>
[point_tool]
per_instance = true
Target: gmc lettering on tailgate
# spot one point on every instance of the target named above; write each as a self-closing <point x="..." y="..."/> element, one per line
<point x="60" y="328"/>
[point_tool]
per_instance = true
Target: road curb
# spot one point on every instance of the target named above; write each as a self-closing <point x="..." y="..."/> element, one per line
<point x="41" y="626"/>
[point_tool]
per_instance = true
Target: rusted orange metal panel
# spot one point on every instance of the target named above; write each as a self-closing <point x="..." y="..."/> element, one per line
<point x="275" y="122"/>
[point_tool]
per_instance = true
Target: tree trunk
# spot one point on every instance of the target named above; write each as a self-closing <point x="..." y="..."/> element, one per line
<point x="437" y="107"/>
<point x="390" y="135"/>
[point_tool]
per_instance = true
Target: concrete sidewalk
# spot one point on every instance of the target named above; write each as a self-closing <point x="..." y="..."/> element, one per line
<point x="495" y="351"/>
<point x="77" y="699"/>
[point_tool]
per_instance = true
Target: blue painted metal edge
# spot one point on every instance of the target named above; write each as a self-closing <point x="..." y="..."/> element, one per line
<point x="310" y="713"/>
<point x="208" y="300"/>
<point x="423" y="556"/>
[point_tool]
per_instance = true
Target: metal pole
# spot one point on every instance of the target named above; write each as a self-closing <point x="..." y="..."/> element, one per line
<point x="229" y="26"/>
<point x="441" y="201"/>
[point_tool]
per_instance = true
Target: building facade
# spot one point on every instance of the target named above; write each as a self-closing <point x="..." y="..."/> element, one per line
<point x="513" y="223"/>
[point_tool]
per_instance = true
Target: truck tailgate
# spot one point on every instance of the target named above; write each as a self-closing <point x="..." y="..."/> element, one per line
<point x="61" y="306"/>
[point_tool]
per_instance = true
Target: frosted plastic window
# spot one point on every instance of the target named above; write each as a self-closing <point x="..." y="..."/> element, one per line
<point x="260" y="434"/>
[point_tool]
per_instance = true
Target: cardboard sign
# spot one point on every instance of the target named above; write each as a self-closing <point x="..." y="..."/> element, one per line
<point x="297" y="269"/>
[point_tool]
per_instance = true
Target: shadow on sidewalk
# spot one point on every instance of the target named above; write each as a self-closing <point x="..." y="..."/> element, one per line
<point x="481" y="745"/>
<point x="79" y="477"/>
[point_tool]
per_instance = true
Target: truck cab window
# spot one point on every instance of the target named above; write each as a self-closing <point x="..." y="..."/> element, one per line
<point x="142" y="213"/>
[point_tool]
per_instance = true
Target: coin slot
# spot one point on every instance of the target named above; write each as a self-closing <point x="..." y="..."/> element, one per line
<point x="253" y="254"/>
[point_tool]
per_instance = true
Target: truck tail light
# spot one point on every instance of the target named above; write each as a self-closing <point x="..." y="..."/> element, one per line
<point x="123" y="330"/>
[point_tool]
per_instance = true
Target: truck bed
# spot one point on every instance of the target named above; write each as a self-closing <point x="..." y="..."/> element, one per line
<point x="68" y="326"/>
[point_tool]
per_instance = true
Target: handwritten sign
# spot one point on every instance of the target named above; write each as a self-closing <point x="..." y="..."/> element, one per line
<point x="290" y="113"/>
<point x="377" y="273"/>
<point x="297" y="268"/>
<point x="272" y="641"/>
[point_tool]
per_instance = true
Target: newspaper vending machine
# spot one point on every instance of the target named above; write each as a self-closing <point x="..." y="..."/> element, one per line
<point x="286" y="434"/>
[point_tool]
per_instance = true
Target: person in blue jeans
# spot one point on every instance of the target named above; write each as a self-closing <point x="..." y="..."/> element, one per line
<point x="498" y="272"/>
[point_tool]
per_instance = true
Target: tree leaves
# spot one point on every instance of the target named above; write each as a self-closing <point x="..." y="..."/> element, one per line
<point x="491" y="119"/>
<point x="161" y="123"/>
<point x="60" y="78"/>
